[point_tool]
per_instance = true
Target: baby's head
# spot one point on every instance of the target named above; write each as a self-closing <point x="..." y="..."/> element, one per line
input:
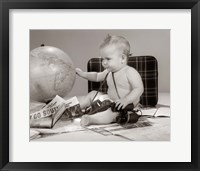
<point x="115" y="50"/>
<point x="119" y="42"/>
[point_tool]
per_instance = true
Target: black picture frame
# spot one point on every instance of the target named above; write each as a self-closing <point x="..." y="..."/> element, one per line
<point x="6" y="5"/>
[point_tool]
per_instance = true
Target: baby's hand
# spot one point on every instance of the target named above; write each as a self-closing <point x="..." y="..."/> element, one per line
<point x="79" y="71"/>
<point x="121" y="103"/>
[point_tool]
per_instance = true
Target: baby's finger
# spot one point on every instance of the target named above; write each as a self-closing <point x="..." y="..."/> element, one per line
<point x="123" y="106"/>
<point x="117" y="103"/>
<point x="119" y="106"/>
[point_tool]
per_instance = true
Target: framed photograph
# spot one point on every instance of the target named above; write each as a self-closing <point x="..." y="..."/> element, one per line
<point x="99" y="85"/>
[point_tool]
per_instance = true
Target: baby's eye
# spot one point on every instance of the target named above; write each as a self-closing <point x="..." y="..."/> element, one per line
<point x="106" y="58"/>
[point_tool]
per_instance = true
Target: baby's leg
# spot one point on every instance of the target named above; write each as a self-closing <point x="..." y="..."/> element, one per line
<point x="86" y="100"/>
<point x="101" y="118"/>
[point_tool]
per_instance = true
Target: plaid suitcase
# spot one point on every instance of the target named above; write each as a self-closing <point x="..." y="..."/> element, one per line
<point x="147" y="66"/>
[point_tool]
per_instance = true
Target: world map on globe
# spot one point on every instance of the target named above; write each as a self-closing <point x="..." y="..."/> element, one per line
<point x="51" y="73"/>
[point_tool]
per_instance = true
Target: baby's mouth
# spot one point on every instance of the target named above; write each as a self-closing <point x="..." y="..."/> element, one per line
<point x="108" y="68"/>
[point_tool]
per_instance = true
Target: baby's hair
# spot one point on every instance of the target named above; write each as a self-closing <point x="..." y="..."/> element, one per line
<point x="119" y="41"/>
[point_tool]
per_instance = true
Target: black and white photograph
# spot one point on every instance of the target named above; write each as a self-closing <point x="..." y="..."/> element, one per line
<point x="99" y="85"/>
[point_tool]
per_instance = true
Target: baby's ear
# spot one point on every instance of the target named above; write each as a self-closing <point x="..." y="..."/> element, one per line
<point x="124" y="57"/>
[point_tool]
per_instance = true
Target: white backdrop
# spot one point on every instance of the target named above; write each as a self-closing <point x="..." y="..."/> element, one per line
<point x="83" y="44"/>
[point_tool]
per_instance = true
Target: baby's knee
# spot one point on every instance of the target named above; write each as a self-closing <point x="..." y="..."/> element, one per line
<point x="92" y="93"/>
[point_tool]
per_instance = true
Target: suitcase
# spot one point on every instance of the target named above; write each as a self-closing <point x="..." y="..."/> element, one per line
<point x="147" y="66"/>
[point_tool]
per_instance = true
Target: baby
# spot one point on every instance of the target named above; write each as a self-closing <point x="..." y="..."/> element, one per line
<point x="125" y="85"/>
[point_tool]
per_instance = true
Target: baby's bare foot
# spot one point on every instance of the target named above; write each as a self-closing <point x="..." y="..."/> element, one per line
<point x="85" y="120"/>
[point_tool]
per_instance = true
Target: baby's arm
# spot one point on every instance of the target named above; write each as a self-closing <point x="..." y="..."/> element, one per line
<point x="92" y="76"/>
<point x="136" y="83"/>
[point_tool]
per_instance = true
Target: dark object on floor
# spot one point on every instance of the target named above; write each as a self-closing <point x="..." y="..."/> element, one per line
<point x="126" y="115"/>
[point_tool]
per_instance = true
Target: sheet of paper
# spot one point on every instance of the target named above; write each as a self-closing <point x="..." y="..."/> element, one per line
<point x="160" y="110"/>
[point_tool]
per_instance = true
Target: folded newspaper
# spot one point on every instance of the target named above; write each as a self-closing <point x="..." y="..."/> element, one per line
<point x="54" y="110"/>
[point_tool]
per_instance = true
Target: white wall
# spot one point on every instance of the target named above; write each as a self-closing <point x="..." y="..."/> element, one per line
<point x="81" y="45"/>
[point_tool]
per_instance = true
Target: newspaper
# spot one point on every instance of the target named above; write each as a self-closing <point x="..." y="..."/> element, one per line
<point x="158" y="111"/>
<point x="62" y="126"/>
<point x="54" y="110"/>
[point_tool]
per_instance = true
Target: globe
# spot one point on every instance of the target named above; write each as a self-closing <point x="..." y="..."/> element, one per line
<point x="51" y="73"/>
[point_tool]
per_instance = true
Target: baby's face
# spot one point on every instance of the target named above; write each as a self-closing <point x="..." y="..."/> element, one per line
<point x="112" y="58"/>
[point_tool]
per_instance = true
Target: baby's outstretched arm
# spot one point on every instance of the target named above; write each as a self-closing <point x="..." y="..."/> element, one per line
<point x="91" y="76"/>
